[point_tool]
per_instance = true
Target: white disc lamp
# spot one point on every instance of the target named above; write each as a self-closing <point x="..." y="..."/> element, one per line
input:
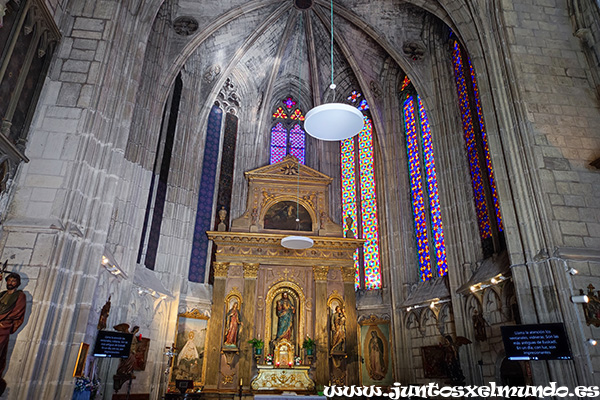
<point x="333" y="121"/>
<point x="297" y="242"/>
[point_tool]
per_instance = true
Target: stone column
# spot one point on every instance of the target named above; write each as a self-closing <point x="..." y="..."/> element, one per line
<point x="321" y="336"/>
<point x="352" y="365"/>
<point x="248" y="316"/>
<point x="214" y="337"/>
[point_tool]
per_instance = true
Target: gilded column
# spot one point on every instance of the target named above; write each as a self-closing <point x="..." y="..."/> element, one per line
<point x="352" y="365"/>
<point x="321" y="336"/>
<point x="248" y="316"/>
<point x="214" y="337"/>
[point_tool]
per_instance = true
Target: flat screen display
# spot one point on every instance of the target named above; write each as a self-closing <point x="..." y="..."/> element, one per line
<point x="112" y="344"/>
<point x="536" y="342"/>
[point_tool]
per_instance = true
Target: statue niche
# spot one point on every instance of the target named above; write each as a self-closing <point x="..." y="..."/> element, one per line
<point x="289" y="216"/>
<point x="284" y="327"/>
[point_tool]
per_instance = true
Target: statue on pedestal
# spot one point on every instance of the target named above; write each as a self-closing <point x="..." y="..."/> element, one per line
<point x="338" y="330"/>
<point x="285" y="311"/>
<point x="232" y="324"/>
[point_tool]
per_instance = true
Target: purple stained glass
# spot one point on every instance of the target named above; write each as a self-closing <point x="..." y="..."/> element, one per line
<point x="297" y="143"/>
<point x="432" y="188"/>
<point x="278" y="143"/>
<point x="363" y="105"/>
<point x="416" y="189"/>
<point x="289" y="102"/>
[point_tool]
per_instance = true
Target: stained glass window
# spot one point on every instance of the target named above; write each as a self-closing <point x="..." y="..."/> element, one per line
<point x="354" y="96"/>
<point x="476" y="144"/>
<point x="287" y="134"/>
<point x="429" y="230"/>
<point x="405" y="83"/>
<point x="359" y="201"/>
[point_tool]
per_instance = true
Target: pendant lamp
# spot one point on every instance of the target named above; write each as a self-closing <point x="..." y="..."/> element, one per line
<point x="295" y="242"/>
<point x="333" y="121"/>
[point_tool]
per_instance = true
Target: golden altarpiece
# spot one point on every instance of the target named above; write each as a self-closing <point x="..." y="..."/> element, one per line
<point x="281" y="296"/>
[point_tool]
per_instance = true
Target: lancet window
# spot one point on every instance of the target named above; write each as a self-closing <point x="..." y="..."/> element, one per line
<point x="429" y="230"/>
<point x="359" y="198"/>
<point x="478" y="153"/>
<point x="287" y="133"/>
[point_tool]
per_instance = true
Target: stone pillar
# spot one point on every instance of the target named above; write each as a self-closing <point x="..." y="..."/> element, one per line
<point x="214" y="337"/>
<point x="248" y="316"/>
<point x="321" y="336"/>
<point x="352" y="365"/>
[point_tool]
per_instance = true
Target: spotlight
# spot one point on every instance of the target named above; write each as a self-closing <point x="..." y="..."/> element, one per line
<point x="572" y="271"/>
<point x="408" y="309"/>
<point x="593" y="342"/>
<point x="473" y="289"/>
<point x="432" y="305"/>
<point x="580" y="299"/>
<point x="494" y="281"/>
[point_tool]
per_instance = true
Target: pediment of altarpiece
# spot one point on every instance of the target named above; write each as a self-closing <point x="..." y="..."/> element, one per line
<point x="287" y="197"/>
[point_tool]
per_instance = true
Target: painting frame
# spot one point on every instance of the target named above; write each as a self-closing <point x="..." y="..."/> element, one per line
<point x="373" y="328"/>
<point x="190" y="367"/>
<point x="433" y="362"/>
<point x="81" y="358"/>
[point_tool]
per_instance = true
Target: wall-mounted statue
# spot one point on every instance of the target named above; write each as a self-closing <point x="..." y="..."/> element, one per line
<point x="338" y="330"/>
<point x="232" y="325"/>
<point x="12" y="311"/>
<point x="479" y="324"/>
<point x="104" y="315"/>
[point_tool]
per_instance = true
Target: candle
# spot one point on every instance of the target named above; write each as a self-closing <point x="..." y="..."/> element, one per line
<point x="240" y="381"/>
<point x="290" y="363"/>
<point x="278" y="363"/>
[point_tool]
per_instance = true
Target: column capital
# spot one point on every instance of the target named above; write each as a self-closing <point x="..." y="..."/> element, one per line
<point x="251" y="270"/>
<point x="320" y="273"/>
<point x="348" y="274"/>
<point x="220" y="269"/>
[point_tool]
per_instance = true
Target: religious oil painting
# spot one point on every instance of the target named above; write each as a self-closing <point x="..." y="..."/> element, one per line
<point x="190" y="342"/>
<point x="375" y="350"/>
<point x="283" y="215"/>
<point x="434" y="361"/>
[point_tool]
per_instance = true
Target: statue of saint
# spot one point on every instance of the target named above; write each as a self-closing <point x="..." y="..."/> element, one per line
<point x="479" y="327"/>
<point x="104" y="315"/>
<point x="338" y="330"/>
<point x="12" y="311"/>
<point x="125" y="367"/>
<point x="451" y="359"/>
<point x="285" y="311"/>
<point x="232" y="326"/>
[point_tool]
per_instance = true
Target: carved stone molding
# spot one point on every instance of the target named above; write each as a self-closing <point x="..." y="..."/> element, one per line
<point x="220" y="269"/>
<point x="251" y="270"/>
<point x="320" y="273"/>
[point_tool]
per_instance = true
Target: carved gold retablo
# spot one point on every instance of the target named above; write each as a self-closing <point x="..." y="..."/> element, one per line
<point x="347" y="274"/>
<point x="251" y="270"/>
<point x="320" y="273"/>
<point x="220" y="269"/>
